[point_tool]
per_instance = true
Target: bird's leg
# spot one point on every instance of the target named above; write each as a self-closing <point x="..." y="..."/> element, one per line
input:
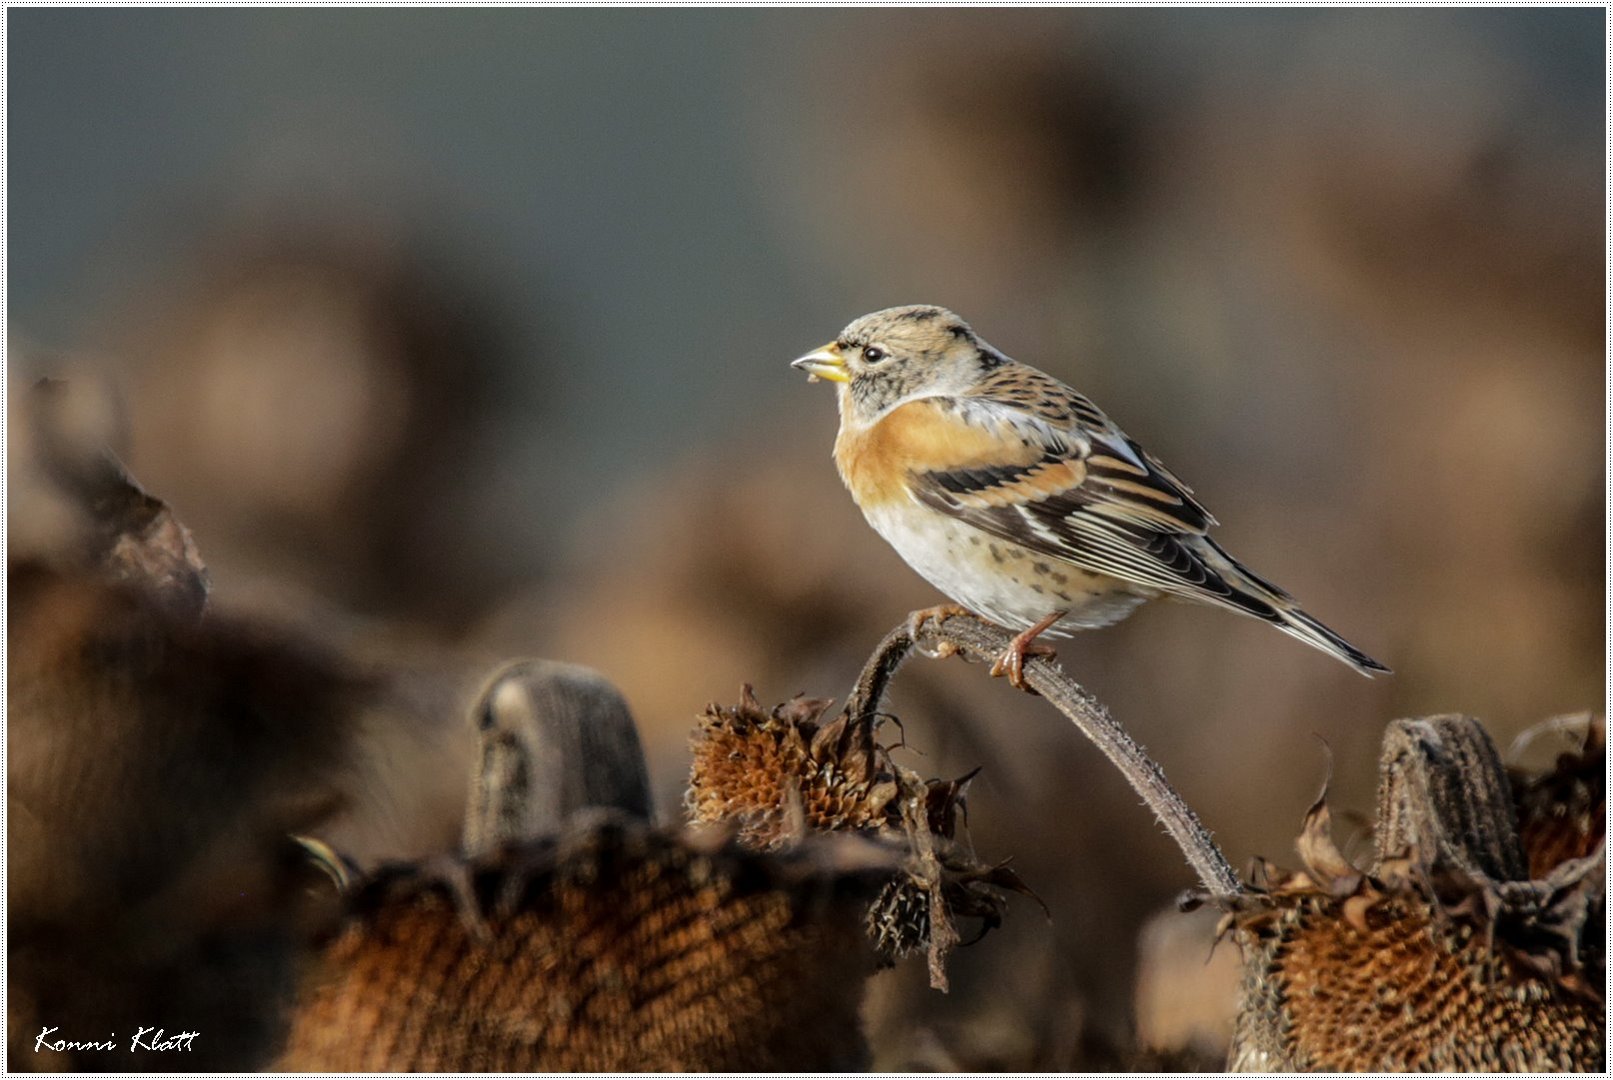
<point x="1012" y="661"/>
<point x="916" y="621"/>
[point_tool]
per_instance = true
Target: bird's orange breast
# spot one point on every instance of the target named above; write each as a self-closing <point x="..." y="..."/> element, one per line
<point x="920" y="436"/>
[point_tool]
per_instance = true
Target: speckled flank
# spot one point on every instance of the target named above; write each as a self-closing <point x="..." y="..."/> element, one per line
<point x="1024" y="587"/>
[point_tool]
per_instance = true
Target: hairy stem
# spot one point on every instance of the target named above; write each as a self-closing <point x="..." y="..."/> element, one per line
<point x="981" y="641"/>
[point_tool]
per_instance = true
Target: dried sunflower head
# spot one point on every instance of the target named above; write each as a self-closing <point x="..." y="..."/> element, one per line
<point x="613" y="946"/>
<point x="778" y="774"/>
<point x="1425" y="960"/>
<point x="1384" y="979"/>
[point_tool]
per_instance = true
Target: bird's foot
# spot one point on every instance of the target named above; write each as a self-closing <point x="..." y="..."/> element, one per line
<point x="1012" y="662"/>
<point x="916" y="621"/>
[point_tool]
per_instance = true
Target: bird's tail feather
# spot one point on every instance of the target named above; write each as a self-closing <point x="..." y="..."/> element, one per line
<point x="1311" y="631"/>
<point x="1253" y="595"/>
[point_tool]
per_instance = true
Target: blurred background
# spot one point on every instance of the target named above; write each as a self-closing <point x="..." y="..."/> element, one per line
<point x="468" y="332"/>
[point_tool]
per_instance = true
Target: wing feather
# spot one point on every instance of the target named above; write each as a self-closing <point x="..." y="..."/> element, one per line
<point x="1034" y="463"/>
<point x="1083" y="492"/>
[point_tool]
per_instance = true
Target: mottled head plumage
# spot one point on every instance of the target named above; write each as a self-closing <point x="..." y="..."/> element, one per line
<point x="900" y="353"/>
<point x="916" y="328"/>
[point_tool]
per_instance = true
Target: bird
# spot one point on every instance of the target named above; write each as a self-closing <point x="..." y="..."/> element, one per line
<point x="1020" y="499"/>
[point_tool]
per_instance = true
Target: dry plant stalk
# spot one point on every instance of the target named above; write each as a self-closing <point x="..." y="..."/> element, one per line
<point x="759" y="768"/>
<point x="983" y="642"/>
<point x="1444" y="954"/>
<point x="612" y="947"/>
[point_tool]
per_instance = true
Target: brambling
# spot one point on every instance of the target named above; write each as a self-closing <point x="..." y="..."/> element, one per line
<point x="1019" y="498"/>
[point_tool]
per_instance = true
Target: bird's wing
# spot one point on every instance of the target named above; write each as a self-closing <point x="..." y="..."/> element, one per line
<point x="1061" y="479"/>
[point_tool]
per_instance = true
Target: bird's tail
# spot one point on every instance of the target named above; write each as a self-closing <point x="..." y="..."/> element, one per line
<point x="1253" y="595"/>
<point x="1312" y="631"/>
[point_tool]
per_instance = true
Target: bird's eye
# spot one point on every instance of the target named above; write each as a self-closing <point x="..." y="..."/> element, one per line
<point x="872" y="354"/>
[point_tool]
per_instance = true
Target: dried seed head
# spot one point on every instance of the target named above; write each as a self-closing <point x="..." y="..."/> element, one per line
<point x="613" y="947"/>
<point x="751" y="764"/>
<point x="1427" y="962"/>
<point x="898" y="920"/>
<point x="775" y="773"/>
<point x="1387" y="980"/>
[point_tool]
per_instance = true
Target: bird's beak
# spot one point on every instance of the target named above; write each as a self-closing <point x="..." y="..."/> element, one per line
<point x="824" y="363"/>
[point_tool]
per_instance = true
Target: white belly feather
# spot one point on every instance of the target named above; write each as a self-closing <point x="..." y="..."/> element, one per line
<point x="998" y="579"/>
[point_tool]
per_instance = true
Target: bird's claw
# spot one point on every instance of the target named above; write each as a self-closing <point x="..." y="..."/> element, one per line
<point x="916" y="621"/>
<point x="1012" y="662"/>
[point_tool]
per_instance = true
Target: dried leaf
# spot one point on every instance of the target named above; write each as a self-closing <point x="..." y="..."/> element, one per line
<point x="945" y="799"/>
<point x="802" y="709"/>
<point x="1317" y="851"/>
<point x="1355" y="911"/>
<point x="131" y="536"/>
<point x="1002" y="877"/>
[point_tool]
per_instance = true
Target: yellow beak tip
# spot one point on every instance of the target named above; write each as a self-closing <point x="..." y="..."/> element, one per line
<point x="825" y="363"/>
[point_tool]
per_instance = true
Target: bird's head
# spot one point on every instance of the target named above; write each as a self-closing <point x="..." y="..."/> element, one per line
<point x="896" y="355"/>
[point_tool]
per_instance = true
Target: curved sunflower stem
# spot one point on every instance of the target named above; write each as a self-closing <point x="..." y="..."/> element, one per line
<point x="981" y="641"/>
